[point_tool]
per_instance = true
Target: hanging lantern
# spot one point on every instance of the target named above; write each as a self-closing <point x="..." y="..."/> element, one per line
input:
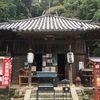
<point x="70" y="57"/>
<point x="30" y="56"/>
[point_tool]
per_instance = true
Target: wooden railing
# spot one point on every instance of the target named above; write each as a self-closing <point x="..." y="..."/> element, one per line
<point x="26" y="82"/>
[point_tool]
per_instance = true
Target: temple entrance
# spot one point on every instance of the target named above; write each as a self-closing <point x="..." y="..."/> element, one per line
<point x="51" y="62"/>
<point x="38" y="62"/>
<point x="61" y="66"/>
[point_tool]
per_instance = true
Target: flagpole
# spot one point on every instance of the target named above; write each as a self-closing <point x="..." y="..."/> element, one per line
<point x="49" y="6"/>
<point x="8" y="93"/>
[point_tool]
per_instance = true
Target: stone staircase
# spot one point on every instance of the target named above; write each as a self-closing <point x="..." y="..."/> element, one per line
<point x="30" y="93"/>
<point x="50" y="96"/>
<point x="59" y="94"/>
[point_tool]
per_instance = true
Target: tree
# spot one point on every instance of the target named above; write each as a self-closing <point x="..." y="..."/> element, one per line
<point x="57" y="2"/>
<point x="7" y="10"/>
<point x="58" y="10"/>
<point x="72" y="8"/>
<point x="20" y="9"/>
<point x="44" y="5"/>
<point x="88" y="9"/>
<point x="96" y="17"/>
<point x="27" y="4"/>
<point x="96" y="51"/>
<point x="36" y="9"/>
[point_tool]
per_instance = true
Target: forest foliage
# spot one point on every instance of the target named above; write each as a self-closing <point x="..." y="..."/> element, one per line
<point x="78" y="9"/>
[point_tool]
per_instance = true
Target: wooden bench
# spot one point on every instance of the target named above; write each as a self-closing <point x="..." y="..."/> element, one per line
<point x="26" y="77"/>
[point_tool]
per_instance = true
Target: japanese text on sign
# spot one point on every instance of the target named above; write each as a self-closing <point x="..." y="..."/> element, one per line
<point x="6" y="67"/>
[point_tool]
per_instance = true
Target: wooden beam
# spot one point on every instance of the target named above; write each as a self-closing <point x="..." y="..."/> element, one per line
<point x="49" y="41"/>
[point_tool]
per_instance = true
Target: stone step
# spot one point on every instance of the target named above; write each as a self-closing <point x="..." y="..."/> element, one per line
<point x="46" y="93"/>
<point x="50" y="96"/>
<point x="59" y="95"/>
<point x="51" y="99"/>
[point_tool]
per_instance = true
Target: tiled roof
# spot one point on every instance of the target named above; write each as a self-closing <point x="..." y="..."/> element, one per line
<point x="94" y="59"/>
<point x="48" y="23"/>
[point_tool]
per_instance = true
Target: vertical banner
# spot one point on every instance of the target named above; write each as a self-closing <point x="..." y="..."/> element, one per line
<point x="6" y="68"/>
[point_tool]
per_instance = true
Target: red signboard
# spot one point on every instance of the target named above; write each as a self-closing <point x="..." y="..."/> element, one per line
<point x="96" y="76"/>
<point x="6" y="68"/>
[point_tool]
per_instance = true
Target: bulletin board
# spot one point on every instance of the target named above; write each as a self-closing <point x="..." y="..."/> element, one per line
<point x="81" y="65"/>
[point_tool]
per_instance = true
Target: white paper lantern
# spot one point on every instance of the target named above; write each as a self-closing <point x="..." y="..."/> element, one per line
<point x="30" y="57"/>
<point x="70" y="57"/>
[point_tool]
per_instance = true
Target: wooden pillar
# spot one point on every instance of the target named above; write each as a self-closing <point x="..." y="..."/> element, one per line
<point x="70" y="73"/>
<point x="29" y="71"/>
<point x="29" y="76"/>
<point x="68" y="41"/>
<point x="70" y="69"/>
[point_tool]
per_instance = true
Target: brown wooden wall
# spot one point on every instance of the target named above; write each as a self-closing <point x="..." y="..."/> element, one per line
<point x="18" y="62"/>
<point x="20" y="48"/>
<point x="79" y="49"/>
<point x="78" y="58"/>
<point x="79" y="46"/>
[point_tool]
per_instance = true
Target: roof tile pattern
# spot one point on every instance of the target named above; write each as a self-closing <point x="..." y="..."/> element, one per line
<point x="48" y="23"/>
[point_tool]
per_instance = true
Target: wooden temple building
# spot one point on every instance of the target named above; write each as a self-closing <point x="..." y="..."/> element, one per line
<point x="50" y="37"/>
